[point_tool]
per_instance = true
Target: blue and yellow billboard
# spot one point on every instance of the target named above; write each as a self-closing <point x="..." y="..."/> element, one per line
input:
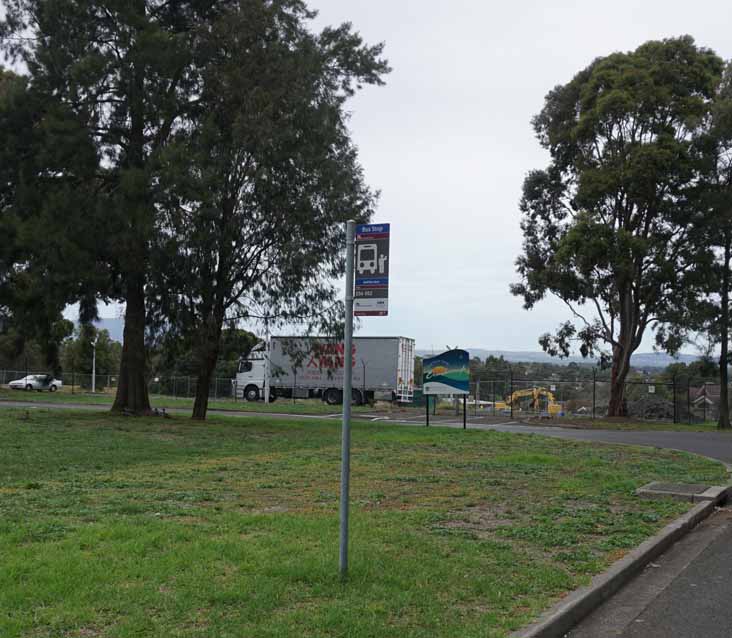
<point x="447" y="373"/>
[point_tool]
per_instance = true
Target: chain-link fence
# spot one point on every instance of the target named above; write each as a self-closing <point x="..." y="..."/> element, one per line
<point x="75" y="382"/>
<point x="677" y="401"/>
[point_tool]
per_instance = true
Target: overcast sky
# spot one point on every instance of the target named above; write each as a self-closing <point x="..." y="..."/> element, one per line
<point x="448" y="142"/>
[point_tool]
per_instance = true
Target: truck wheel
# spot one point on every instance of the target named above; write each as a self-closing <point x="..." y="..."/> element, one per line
<point x="53" y="388"/>
<point x="251" y="393"/>
<point x="272" y="396"/>
<point x="332" y="396"/>
<point x="356" y="397"/>
<point x="29" y="387"/>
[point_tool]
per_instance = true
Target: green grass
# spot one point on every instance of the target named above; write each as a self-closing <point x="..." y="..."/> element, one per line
<point x="282" y="406"/>
<point x="119" y="527"/>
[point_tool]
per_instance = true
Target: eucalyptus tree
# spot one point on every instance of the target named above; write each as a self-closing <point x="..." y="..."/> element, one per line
<point x="607" y="224"/>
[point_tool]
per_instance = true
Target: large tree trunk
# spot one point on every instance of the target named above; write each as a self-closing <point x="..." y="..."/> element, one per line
<point x="132" y="394"/>
<point x="621" y="357"/>
<point x="621" y="365"/>
<point x="208" y="355"/>
<point x="723" y="422"/>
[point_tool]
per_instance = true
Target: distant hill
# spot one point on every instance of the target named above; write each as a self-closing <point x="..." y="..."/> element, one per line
<point x="115" y="327"/>
<point x="639" y="360"/>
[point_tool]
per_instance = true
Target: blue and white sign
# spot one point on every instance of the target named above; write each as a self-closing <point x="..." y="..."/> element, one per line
<point x="371" y="292"/>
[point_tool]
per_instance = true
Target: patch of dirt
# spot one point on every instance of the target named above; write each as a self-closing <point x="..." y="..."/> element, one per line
<point x="480" y="520"/>
<point x="165" y="436"/>
<point x="191" y="520"/>
<point x="578" y="506"/>
<point x="273" y="509"/>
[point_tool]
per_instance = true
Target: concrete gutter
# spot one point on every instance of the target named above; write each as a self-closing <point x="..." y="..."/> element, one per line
<point x="558" y="620"/>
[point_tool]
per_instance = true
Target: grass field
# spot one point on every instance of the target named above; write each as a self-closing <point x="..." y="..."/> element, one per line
<point x="283" y="406"/>
<point x="118" y="527"/>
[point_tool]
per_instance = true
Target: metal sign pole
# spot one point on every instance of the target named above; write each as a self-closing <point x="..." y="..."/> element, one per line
<point x="267" y="371"/>
<point x="347" y="381"/>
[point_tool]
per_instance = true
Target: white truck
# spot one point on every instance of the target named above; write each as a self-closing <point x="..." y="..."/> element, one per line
<point x="312" y="367"/>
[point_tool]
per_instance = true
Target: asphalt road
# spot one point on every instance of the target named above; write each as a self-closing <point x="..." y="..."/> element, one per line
<point x="685" y="593"/>
<point x="715" y="445"/>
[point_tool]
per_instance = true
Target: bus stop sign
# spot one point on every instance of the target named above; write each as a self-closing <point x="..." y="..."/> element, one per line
<point x="371" y="292"/>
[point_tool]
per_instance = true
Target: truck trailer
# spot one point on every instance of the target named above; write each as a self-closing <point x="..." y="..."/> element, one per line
<point x="312" y="367"/>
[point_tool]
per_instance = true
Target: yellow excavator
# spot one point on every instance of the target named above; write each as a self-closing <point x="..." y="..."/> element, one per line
<point x="535" y="394"/>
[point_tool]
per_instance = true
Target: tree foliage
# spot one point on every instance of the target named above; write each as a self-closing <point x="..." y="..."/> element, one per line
<point x="254" y="194"/>
<point x="46" y="160"/>
<point x="218" y="145"/>
<point x="607" y="225"/>
<point x="711" y="277"/>
<point x="77" y="352"/>
<point x="125" y="72"/>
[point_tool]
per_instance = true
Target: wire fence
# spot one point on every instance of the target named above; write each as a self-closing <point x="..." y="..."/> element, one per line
<point x="678" y="401"/>
<point x="175" y="387"/>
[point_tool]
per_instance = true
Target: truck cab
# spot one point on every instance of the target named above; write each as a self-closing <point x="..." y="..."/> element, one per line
<point x="250" y="375"/>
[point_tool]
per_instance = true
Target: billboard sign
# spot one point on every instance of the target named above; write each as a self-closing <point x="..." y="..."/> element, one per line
<point x="447" y="373"/>
<point x="371" y="292"/>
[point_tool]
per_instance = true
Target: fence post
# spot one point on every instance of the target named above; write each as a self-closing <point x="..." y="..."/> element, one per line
<point x="705" y="403"/>
<point x="477" y="395"/>
<point x="673" y="379"/>
<point x="688" y="400"/>
<point x="510" y="396"/>
<point x="594" y="391"/>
